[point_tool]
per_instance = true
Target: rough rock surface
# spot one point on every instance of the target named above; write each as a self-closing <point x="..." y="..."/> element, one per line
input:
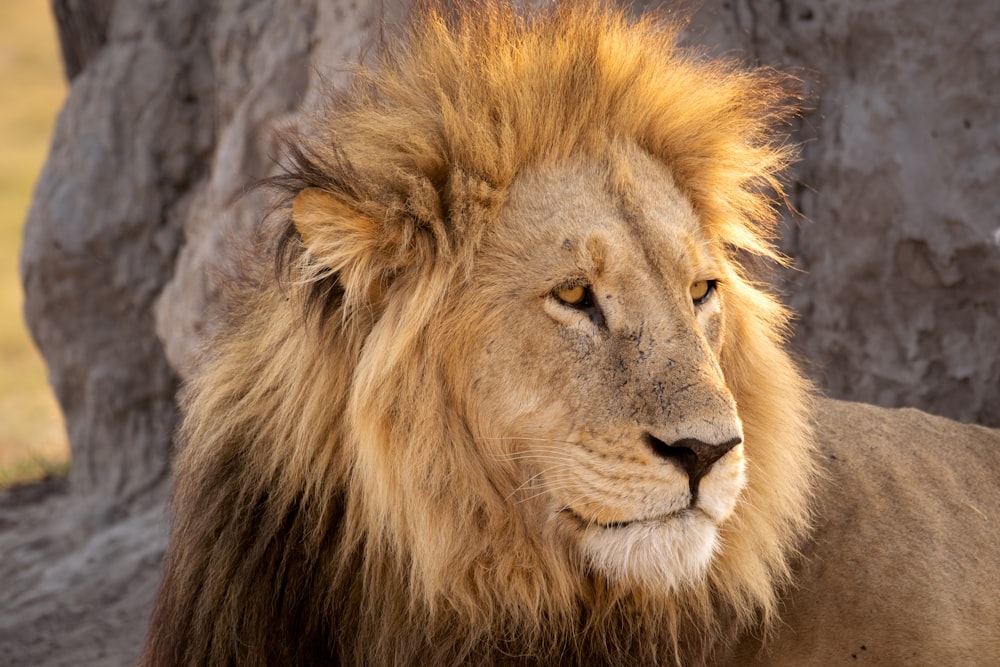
<point x="138" y="214"/>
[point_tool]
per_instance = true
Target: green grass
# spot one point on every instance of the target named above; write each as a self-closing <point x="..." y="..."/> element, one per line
<point x="32" y="437"/>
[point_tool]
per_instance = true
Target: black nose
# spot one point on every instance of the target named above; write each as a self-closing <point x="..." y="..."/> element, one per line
<point x="695" y="456"/>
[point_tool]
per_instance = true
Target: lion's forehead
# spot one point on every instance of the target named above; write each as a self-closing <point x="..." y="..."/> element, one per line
<point x="623" y="208"/>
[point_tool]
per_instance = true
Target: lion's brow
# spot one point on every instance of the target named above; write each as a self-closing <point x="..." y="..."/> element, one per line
<point x="621" y="187"/>
<point x="597" y="248"/>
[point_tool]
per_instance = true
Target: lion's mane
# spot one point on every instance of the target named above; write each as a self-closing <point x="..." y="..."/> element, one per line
<point x="288" y="546"/>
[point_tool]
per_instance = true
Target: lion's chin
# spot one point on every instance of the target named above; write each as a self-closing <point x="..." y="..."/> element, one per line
<point x="663" y="554"/>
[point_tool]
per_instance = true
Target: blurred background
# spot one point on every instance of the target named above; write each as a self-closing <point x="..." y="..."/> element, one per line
<point x="32" y="87"/>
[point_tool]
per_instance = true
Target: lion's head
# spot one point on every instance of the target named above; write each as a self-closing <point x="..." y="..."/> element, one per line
<point x="519" y="397"/>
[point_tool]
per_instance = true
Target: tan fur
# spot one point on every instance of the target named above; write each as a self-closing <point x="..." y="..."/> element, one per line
<point x="405" y="454"/>
<point x="903" y="563"/>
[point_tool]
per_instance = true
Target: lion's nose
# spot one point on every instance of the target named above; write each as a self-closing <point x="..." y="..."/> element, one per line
<point x="695" y="456"/>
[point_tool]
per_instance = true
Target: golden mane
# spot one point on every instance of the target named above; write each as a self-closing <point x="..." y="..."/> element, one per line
<point x="302" y="531"/>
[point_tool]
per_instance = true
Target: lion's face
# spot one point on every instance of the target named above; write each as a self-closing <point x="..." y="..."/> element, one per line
<point x="591" y="360"/>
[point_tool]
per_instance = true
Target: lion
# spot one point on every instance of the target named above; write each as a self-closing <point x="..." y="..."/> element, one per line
<point x="516" y="396"/>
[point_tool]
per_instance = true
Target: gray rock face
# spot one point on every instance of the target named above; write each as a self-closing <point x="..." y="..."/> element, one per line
<point x="901" y="300"/>
<point x="103" y="235"/>
<point x="138" y="217"/>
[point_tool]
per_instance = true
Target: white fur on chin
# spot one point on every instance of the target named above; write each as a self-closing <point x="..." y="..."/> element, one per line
<point x="660" y="555"/>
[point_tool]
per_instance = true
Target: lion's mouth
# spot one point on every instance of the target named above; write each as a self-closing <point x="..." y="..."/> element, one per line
<point x="616" y="525"/>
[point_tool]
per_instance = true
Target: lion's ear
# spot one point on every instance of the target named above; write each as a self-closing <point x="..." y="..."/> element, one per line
<point x="337" y="235"/>
<point x="363" y="253"/>
<point x="325" y="222"/>
<point x="310" y="209"/>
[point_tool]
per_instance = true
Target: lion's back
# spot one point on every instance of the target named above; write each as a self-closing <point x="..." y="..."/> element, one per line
<point x="902" y="567"/>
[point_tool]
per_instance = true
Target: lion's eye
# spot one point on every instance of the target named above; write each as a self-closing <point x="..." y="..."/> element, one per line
<point x="578" y="295"/>
<point x="701" y="291"/>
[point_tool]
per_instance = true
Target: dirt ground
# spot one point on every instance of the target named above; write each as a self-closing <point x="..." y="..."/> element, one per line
<point x="63" y="603"/>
